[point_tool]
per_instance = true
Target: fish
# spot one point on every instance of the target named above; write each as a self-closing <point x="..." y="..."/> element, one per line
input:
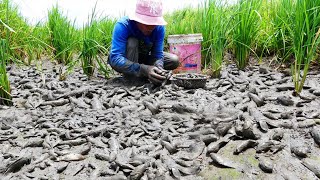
<point x="86" y="149"/>
<point x="259" y="101"/>
<point x="221" y="161"/>
<point x="312" y="165"/>
<point x="34" y="143"/>
<point x="171" y="148"/>
<point x="264" y="146"/>
<point x="244" y="146"/>
<point x="75" y="142"/>
<point x="277" y="135"/>
<point x="216" y="146"/>
<point x="285" y="100"/>
<point x="299" y="151"/>
<point x="306" y="123"/>
<point x="266" y="165"/>
<point x="63" y="167"/>
<point x="76" y="92"/>
<point x="79" y="103"/>
<point x="315" y="133"/>
<point x="138" y="172"/>
<point x="17" y="165"/>
<point x="102" y="157"/>
<point x="54" y="103"/>
<point x="71" y="157"/>
<point x="95" y="103"/>
<point x="260" y="118"/>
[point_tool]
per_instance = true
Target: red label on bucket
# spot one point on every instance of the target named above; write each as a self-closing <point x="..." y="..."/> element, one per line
<point x="189" y="57"/>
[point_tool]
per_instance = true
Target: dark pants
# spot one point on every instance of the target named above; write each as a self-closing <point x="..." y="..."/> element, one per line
<point x="170" y="62"/>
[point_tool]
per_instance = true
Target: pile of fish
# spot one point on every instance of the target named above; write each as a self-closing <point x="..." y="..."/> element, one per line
<point x="126" y="128"/>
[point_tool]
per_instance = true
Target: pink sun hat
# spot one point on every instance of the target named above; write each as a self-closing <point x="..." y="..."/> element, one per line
<point x="148" y="12"/>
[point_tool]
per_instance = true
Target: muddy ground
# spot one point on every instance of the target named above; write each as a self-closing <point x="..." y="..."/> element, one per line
<point x="244" y="125"/>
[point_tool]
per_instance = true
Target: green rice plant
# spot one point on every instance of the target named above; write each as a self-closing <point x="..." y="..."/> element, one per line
<point x="214" y="28"/>
<point x="11" y="20"/>
<point x="246" y="21"/>
<point x="5" y="96"/>
<point x="105" y="28"/>
<point x="90" y="45"/>
<point x="5" y="90"/>
<point x="184" y="21"/>
<point x="281" y="41"/>
<point x="304" y="31"/>
<point x="62" y="34"/>
<point x="40" y="40"/>
<point x="89" y="49"/>
<point x="103" y="67"/>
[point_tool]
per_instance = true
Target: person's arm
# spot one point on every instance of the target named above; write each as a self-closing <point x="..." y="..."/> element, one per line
<point x="157" y="49"/>
<point x="118" y="60"/>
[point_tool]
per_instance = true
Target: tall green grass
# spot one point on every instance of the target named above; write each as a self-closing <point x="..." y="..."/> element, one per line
<point x="305" y="31"/>
<point x="184" y="21"/>
<point x="281" y="42"/>
<point x="5" y="96"/>
<point x="214" y="28"/>
<point x="95" y="41"/>
<point x="62" y="34"/>
<point x="246" y="21"/>
<point x="18" y="31"/>
<point x="105" y="28"/>
<point x="89" y="51"/>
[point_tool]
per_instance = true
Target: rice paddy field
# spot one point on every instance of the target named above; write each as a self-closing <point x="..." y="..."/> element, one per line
<point x="65" y="114"/>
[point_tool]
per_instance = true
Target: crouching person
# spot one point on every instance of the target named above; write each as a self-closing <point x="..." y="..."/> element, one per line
<point x="137" y="44"/>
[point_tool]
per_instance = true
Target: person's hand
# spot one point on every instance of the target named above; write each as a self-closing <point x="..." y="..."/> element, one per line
<point x="155" y="74"/>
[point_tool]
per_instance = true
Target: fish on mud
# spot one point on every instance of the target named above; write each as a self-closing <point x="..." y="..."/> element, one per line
<point x="77" y="92"/>
<point x="183" y="108"/>
<point x="312" y="165"/>
<point x="75" y="142"/>
<point x="223" y="128"/>
<point x="248" y="130"/>
<point x="259" y="101"/>
<point x="153" y="108"/>
<point x="299" y="151"/>
<point x="264" y="146"/>
<point x="71" y="157"/>
<point x="259" y="118"/>
<point x="17" y="165"/>
<point x="315" y="133"/>
<point x="63" y="167"/>
<point x="285" y="100"/>
<point x="79" y="103"/>
<point x="266" y="165"/>
<point x="221" y="161"/>
<point x="95" y="103"/>
<point x="86" y="149"/>
<point x="34" y="143"/>
<point x="244" y="146"/>
<point x="102" y="157"/>
<point x="138" y="172"/>
<point x="192" y="152"/>
<point x="54" y="103"/>
<point x="277" y="135"/>
<point x="171" y="148"/>
<point x="216" y="146"/>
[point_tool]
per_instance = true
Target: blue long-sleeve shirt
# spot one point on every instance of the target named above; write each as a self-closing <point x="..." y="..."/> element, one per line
<point x="124" y="29"/>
